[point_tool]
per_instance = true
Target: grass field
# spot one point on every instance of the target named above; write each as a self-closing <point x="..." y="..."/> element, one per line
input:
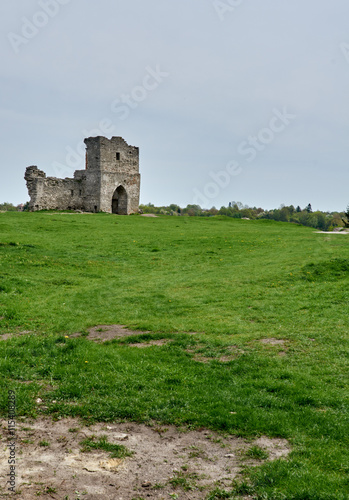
<point x="233" y="282"/>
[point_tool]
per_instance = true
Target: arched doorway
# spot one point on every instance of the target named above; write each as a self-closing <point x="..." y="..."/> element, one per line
<point x="119" y="201"/>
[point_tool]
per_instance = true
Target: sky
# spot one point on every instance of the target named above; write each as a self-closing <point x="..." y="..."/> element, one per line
<point x="228" y="100"/>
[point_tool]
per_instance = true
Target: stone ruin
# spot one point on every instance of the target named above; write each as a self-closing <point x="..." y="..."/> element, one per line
<point x="110" y="183"/>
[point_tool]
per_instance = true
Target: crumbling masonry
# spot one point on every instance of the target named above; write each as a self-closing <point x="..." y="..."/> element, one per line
<point x="110" y="183"/>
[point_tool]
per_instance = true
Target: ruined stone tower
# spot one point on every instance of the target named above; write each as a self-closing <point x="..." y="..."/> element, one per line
<point x="110" y="183"/>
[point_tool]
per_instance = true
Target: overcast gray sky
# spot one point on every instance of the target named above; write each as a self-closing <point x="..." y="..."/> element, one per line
<point x="242" y="100"/>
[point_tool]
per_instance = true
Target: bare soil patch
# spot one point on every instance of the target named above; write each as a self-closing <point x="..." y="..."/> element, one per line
<point x="221" y="359"/>
<point x="6" y="336"/>
<point x="165" y="461"/>
<point x="102" y="333"/>
<point x="232" y="352"/>
<point x="142" y="345"/>
<point x="273" y="341"/>
<point x="281" y="343"/>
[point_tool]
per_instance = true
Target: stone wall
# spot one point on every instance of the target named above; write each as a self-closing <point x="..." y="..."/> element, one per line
<point x="111" y="155"/>
<point x="110" y="183"/>
<point x="50" y="193"/>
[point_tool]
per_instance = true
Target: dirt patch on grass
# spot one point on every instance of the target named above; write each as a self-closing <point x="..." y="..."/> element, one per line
<point x="7" y="336"/>
<point x="164" y="461"/>
<point x="142" y="345"/>
<point x="201" y="359"/>
<point x="271" y="344"/>
<point x="221" y="359"/>
<point x="232" y="352"/>
<point x="102" y="333"/>
<point x="275" y="448"/>
<point x="226" y="359"/>
<point x="273" y="341"/>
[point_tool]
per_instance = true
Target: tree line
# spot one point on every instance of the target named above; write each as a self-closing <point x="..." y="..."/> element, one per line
<point x="9" y="207"/>
<point x="325" y="221"/>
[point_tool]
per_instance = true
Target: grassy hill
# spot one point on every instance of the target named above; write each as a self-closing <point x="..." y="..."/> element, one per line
<point x="268" y="302"/>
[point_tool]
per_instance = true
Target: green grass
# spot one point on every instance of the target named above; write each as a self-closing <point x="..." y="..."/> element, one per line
<point x="115" y="450"/>
<point x="233" y="282"/>
<point x="257" y="453"/>
<point x="184" y="480"/>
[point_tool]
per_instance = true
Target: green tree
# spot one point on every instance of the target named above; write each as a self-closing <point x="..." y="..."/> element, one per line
<point x="284" y="214"/>
<point x="8" y="207"/>
<point x="192" y="210"/>
<point x="345" y="219"/>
